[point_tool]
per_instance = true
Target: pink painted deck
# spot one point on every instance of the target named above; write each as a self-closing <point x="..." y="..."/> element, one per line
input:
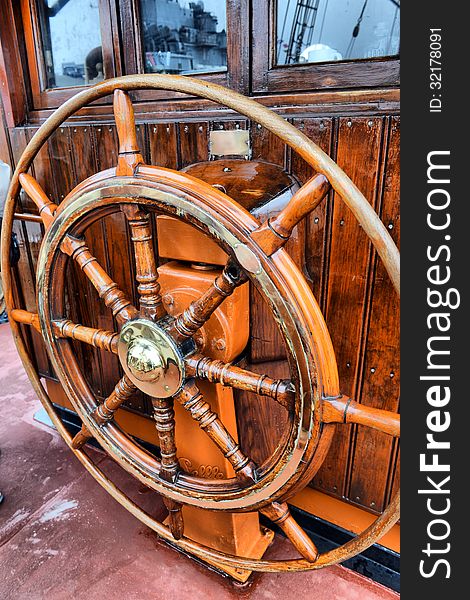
<point x="62" y="536"/>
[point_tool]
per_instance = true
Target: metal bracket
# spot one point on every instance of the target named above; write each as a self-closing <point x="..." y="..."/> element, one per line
<point x="232" y="142"/>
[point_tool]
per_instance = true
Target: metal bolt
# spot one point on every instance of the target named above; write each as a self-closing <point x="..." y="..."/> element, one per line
<point x="220" y="344"/>
<point x="199" y="340"/>
<point x="370" y="123"/>
<point x="237" y="125"/>
<point x="348" y="364"/>
<point x="390" y="225"/>
<point x="316" y="220"/>
<point x="322" y="125"/>
<point x="372" y="370"/>
<point x="335" y="488"/>
<point x="302" y="125"/>
<point x="221" y="125"/>
<point x="258" y="126"/>
<point x="227" y="170"/>
<point x="349" y="123"/>
<point x="392" y="375"/>
<point x="168" y="129"/>
<point x="372" y="503"/>
<point x="200" y="128"/>
<point x="357" y="498"/>
<point x="341" y="223"/>
<point x="186" y="129"/>
<point x="168" y="299"/>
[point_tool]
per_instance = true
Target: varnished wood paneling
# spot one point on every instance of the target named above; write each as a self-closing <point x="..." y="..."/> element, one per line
<point x="260" y="420"/>
<point x="307" y="245"/>
<point x="381" y="372"/>
<point x="194" y="142"/>
<point x="163" y="145"/>
<point x="266" y="341"/>
<point x="358" y="153"/>
<point x="317" y="225"/>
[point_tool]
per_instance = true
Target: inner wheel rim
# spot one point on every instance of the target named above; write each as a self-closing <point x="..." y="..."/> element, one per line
<point x="306" y="429"/>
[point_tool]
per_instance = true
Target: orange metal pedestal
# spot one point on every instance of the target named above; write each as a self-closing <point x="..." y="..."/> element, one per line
<point x="223" y="337"/>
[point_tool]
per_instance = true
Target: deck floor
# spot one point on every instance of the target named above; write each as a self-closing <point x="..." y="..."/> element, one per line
<point x="62" y="536"/>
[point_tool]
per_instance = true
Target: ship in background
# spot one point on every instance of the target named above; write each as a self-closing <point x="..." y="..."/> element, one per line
<point x="181" y="38"/>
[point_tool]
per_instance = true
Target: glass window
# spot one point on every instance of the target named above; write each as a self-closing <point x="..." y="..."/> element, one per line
<point x="331" y="30"/>
<point x="71" y="41"/>
<point x="184" y="37"/>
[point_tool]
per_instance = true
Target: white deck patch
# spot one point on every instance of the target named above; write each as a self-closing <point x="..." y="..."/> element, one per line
<point x="19" y="516"/>
<point x="59" y="511"/>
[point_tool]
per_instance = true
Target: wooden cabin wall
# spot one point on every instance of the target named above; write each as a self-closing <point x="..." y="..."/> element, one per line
<point x="351" y="286"/>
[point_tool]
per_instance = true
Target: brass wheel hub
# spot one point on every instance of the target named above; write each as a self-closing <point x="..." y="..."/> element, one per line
<point x="151" y="358"/>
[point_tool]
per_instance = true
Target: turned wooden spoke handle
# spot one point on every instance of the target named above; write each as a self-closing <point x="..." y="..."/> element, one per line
<point x="164" y="416"/>
<point x="200" y="310"/>
<point x="280" y="515"/>
<point x="104" y="413"/>
<point x="129" y="152"/>
<point x="45" y="206"/>
<point x="276" y="231"/>
<point x="107" y="289"/>
<point x="193" y="401"/>
<point x="346" y="410"/>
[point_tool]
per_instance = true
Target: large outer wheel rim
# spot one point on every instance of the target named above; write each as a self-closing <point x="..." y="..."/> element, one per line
<point x="232" y="226"/>
<point x="315" y="157"/>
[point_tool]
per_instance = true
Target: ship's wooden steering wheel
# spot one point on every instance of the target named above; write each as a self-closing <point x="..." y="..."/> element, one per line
<point x="157" y="351"/>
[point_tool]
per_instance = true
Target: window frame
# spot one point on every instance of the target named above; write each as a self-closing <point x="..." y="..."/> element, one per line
<point x="269" y="77"/>
<point x="236" y="76"/>
<point x="123" y="52"/>
<point x="43" y="97"/>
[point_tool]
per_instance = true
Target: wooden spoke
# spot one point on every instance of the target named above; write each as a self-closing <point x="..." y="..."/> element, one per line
<point x="281" y="516"/>
<point x="39" y="197"/>
<point x="200" y="311"/>
<point x="345" y="410"/>
<point x="276" y="231"/>
<point x="27" y="318"/>
<point x="216" y="371"/>
<point x="164" y="416"/>
<point x="151" y="305"/>
<point x="192" y="400"/>
<point x="108" y="291"/>
<point x="129" y="152"/>
<point x="99" y="338"/>
<point x="105" y="412"/>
